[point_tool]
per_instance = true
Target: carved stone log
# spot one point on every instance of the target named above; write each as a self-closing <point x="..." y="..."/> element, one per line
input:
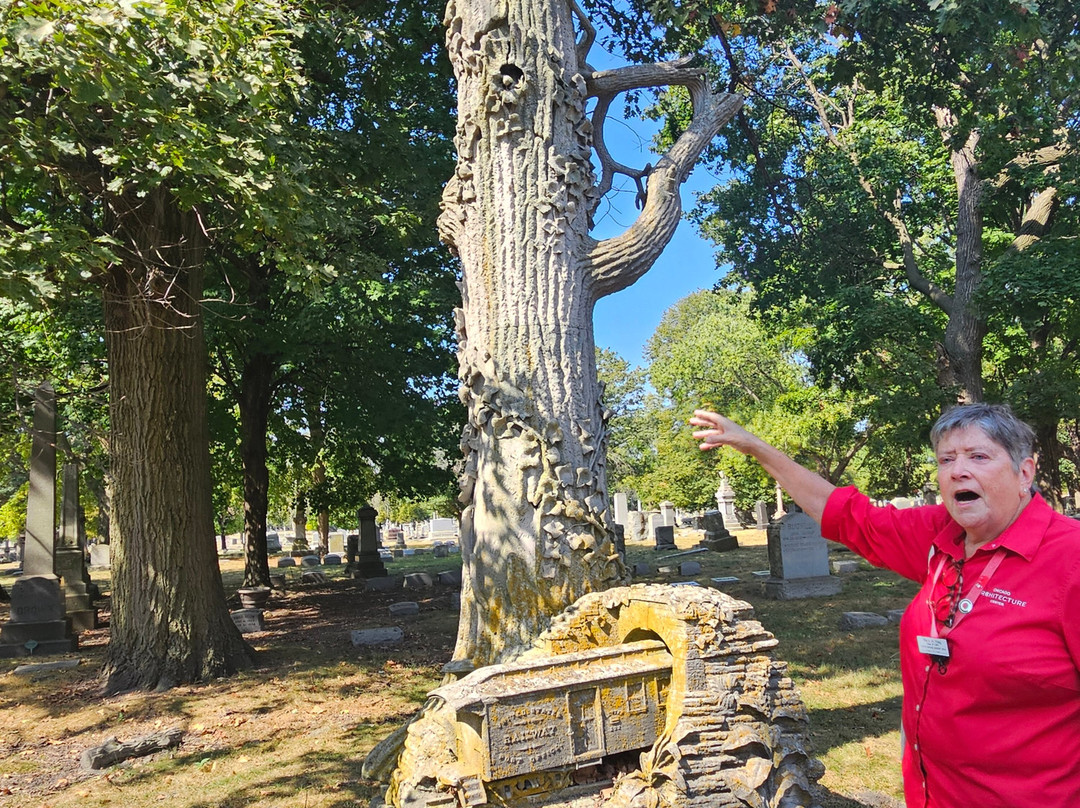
<point x="113" y="751"/>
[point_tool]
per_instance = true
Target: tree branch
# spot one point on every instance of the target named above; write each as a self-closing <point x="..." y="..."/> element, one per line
<point x="616" y="263"/>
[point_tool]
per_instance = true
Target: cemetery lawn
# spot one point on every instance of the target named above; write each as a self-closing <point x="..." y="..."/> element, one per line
<point x="293" y="730"/>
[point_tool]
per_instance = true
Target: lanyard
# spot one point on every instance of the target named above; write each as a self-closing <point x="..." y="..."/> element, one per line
<point x="966" y="604"/>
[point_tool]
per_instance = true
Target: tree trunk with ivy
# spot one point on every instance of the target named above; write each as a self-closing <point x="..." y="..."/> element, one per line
<point x="536" y="531"/>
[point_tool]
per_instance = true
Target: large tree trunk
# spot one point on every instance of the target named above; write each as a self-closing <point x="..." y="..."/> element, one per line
<point x="169" y="620"/>
<point x="536" y="528"/>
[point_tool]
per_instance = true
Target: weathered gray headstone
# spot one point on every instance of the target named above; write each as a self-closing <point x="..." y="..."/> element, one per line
<point x="248" y="620"/>
<point x="407" y="608"/>
<point x="37" y="622"/>
<point x="894" y="615"/>
<point x="418" y="580"/>
<point x="798" y="560"/>
<point x="841" y="567"/>
<point x="761" y="515"/>
<point x="286" y="561"/>
<point x="857" y="620"/>
<point x="99" y="555"/>
<point x="690" y="568"/>
<point x="441" y="551"/>
<point x="641" y="568"/>
<point x="313" y="577"/>
<point x="635" y="526"/>
<point x="385" y="583"/>
<point x="388" y="635"/>
<point x="450" y="578"/>
<point x="309" y="561"/>
<point x="331" y="560"/>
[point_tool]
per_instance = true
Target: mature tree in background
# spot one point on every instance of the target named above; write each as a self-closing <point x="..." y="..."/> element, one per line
<point x="136" y="136"/>
<point x="535" y="529"/>
<point x="374" y="345"/>
<point x="710" y="350"/>
<point x="900" y="173"/>
<point x="632" y="426"/>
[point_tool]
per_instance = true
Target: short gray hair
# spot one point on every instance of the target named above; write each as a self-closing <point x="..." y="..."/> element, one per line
<point x="998" y="422"/>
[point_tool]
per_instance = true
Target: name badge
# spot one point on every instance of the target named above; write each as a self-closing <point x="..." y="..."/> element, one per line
<point x="934" y="646"/>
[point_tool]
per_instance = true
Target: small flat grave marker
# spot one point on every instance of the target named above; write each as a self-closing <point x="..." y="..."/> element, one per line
<point x="387" y="635"/>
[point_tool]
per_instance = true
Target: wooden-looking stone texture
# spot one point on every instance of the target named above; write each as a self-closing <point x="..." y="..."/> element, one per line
<point x="730" y="730"/>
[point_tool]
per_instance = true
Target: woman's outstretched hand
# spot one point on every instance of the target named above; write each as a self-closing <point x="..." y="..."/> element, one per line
<point x="719" y="431"/>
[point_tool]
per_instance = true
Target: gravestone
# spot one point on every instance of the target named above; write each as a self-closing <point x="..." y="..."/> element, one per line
<point x="667" y="513"/>
<point x="309" y="561"/>
<point x="369" y="563"/>
<point x="635" y="526"/>
<point x="37" y="623"/>
<point x="388" y="635"/>
<point x="761" y="515"/>
<point x="798" y="560"/>
<point x="620" y="540"/>
<point x="352" y="549"/>
<point x="665" y="537"/>
<point x="286" y="561"/>
<point x="100" y="555"/>
<point x="621" y="504"/>
<point x="717" y="536"/>
<point x="406" y="608"/>
<point x="248" y="621"/>
<point x="273" y="543"/>
<point x="450" y="578"/>
<point x="442" y="528"/>
<point x="335" y="543"/>
<point x="418" y="580"/>
<point x="70" y="559"/>
<point x="725" y="501"/>
<point x="655" y="521"/>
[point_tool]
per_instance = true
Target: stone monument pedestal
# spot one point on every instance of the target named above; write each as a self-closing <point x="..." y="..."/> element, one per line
<point x="38" y="624"/>
<point x="70" y="566"/>
<point x="819" y="586"/>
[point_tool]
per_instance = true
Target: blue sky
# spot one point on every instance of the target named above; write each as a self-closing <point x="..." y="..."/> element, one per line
<point x="625" y="320"/>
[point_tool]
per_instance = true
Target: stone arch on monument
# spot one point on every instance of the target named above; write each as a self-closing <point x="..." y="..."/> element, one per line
<point x="725" y="726"/>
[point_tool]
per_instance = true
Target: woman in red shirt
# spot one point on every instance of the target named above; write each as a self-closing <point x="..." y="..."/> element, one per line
<point x="990" y="646"/>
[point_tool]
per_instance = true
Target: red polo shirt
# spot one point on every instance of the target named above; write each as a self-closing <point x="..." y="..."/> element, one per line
<point x="1000" y="726"/>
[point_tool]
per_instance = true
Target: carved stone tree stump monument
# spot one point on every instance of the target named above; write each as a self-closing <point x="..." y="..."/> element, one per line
<point x="536" y="532"/>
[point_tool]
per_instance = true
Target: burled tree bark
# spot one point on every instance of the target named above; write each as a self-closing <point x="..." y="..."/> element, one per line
<point x="536" y="532"/>
<point x="169" y="620"/>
